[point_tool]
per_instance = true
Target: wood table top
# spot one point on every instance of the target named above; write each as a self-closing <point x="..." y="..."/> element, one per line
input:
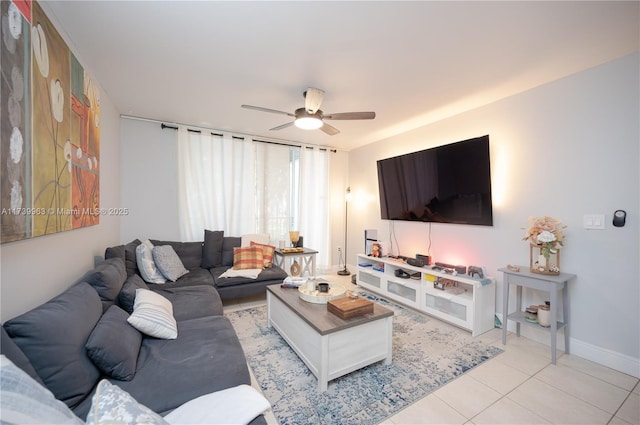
<point x="317" y="316"/>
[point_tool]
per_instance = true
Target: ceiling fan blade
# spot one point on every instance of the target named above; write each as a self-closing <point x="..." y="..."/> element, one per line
<point x="312" y="99"/>
<point x="330" y="130"/>
<point x="351" y="116"/>
<point x="280" y="127"/>
<point x="273" y="111"/>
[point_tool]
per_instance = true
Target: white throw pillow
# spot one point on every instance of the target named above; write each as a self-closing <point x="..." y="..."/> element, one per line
<point x="236" y="405"/>
<point x="153" y="315"/>
<point x="168" y="262"/>
<point x="25" y="401"/>
<point x="148" y="269"/>
<point x="261" y="238"/>
<point x="111" y="405"/>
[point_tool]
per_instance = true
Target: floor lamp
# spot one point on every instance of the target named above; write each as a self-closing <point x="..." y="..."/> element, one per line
<point x="345" y="271"/>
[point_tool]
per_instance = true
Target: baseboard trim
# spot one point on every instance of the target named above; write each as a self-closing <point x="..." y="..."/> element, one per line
<point x="609" y="358"/>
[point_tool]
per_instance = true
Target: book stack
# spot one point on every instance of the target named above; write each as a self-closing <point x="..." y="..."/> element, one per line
<point x="294" y="282"/>
<point x="531" y="314"/>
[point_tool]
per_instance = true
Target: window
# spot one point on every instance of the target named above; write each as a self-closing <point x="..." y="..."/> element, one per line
<point x="242" y="186"/>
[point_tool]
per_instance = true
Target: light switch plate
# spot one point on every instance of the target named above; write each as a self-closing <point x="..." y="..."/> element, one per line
<point x="593" y="221"/>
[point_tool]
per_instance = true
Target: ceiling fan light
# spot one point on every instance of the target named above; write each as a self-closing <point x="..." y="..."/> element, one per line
<point x="308" y="123"/>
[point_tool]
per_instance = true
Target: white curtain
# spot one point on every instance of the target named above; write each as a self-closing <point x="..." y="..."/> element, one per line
<point x="217" y="184"/>
<point x="244" y="186"/>
<point x="274" y="195"/>
<point x="314" y="203"/>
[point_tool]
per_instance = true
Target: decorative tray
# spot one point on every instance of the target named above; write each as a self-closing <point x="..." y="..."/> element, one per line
<point x="317" y="297"/>
<point x="290" y="250"/>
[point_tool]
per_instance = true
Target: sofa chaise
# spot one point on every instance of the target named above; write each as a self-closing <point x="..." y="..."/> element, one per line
<point x="72" y="342"/>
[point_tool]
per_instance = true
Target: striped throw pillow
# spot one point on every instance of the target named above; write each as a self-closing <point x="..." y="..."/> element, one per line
<point x="248" y="258"/>
<point x="267" y="253"/>
<point x="153" y="315"/>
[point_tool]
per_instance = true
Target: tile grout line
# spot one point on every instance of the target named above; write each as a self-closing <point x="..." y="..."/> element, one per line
<point x="620" y="407"/>
<point x="586" y="401"/>
<point x="513" y="401"/>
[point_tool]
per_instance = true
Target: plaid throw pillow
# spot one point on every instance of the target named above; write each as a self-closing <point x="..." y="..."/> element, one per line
<point x="247" y="258"/>
<point x="267" y="253"/>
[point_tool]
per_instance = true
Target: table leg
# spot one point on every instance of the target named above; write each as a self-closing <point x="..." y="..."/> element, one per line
<point x="553" y="313"/>
<point x="388" y="359"/>
<point x="269" y="310"/>
<point x="313" y="264"/>
<point x="518" y="306"/>
<point x="323" y="372"/>
<point x="565" y="319"/>
<point x="505" y="308"/>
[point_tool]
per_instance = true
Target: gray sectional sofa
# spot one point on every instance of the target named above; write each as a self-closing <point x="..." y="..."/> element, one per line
<point x="69" y="343"/>
<point x="206" y="261"/>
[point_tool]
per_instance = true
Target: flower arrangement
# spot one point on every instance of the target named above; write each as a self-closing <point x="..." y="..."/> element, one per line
<point x="546" y="233"/>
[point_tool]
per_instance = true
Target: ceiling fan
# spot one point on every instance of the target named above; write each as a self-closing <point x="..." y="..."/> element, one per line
<point x="311" y="116"/>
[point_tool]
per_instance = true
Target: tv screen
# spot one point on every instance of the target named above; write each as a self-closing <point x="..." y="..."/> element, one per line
<point x="445" y="184"/>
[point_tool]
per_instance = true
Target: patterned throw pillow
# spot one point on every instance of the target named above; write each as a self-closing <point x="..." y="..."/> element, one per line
<point x="112" y="405"/>
<point x="267" y="253"/>
<point x="153" y="315"/>
<point x="168" y="262"/>
<point x="248" y="258"/>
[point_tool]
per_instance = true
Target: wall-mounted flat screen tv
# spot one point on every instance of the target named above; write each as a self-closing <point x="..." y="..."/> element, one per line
<point x="445" y="184"/>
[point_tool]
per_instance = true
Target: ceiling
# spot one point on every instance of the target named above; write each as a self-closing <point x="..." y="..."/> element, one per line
<point x="411" y="62"/>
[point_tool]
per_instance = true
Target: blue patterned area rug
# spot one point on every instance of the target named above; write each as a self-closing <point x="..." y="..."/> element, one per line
<point x="426" y="355"/>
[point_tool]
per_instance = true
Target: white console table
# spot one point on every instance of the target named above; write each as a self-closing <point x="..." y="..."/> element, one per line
<point x="466" y="303"/>
<point x="555" y="285"/>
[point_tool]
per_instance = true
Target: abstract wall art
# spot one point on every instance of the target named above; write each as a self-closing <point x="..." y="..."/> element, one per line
<point x="50" y="129"/>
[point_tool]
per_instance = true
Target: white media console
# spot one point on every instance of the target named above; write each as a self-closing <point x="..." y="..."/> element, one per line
<point x="465" y="301"/>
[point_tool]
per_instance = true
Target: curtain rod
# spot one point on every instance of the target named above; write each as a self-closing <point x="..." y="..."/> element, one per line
<point x="281" y="142"/>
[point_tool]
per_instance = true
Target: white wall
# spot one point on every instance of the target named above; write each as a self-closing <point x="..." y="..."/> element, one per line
<point x="149" y="185"/>
<point x="564" y="149"/>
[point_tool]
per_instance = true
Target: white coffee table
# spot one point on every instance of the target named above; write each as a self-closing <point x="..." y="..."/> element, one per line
<point x="328" y="345"/>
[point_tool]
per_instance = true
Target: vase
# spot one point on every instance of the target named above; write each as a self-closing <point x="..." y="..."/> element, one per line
<point x="539" y="263"/>
<point x="544" y="316"/>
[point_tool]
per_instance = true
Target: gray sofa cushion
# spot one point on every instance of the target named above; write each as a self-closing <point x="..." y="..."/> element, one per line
<point x="228" y="243"/>
<point x="127" y="295"/>
<point x="212" y="249"/>
<point x="13" y="353"/>
<point x="114" y="345"/>
<point x="270" y="274"/>
<point x="53" y="335"/>
<point x="164" y="379"/>
<point x="130" y="261"/>
<point x="192" y="302"/>
<point x="195" y="277"/>
<point x="127" y="253"/>
<point x="190" y="253"/>
<point x="107" y="279"/>
<point x="115" y="252"/>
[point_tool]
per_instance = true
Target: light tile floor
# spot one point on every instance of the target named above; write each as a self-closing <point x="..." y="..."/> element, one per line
<point x="519" y="386"/>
